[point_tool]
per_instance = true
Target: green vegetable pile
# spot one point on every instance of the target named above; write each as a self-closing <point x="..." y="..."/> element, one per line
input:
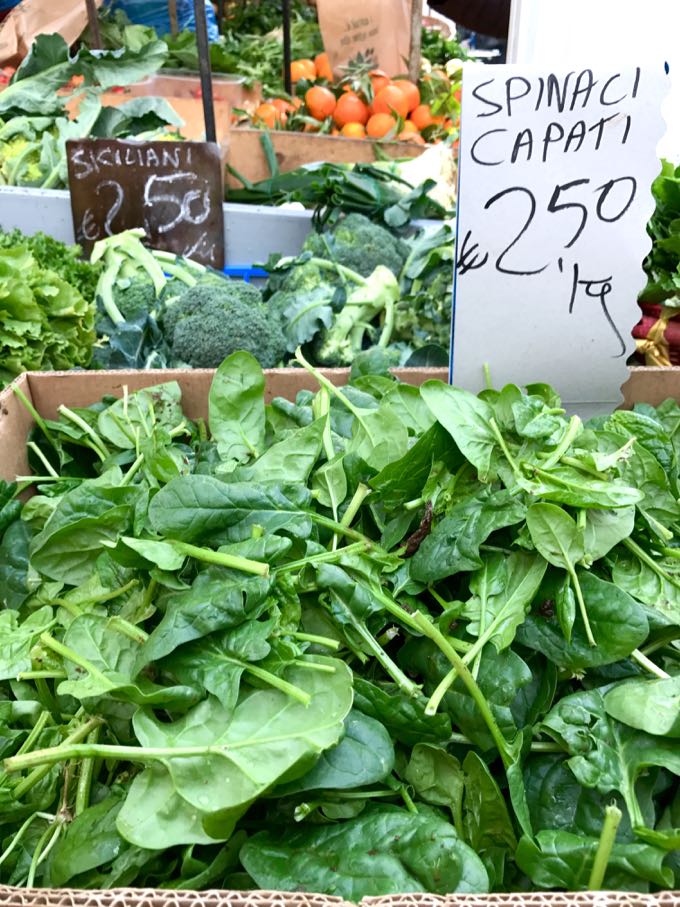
<point x="34" y="119"/>
<point x="379" y="639"/>
<point x="358" y="284"/>
<point x="662" y="265"/>
<point x="45" y="323"/>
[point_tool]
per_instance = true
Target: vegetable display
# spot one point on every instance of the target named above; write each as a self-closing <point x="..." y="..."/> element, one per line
<point x="45" y="323"/>
<point x="377" y="639"/>
<point x="34" y="115"/>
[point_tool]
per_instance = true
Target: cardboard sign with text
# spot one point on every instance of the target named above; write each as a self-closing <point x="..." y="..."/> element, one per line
<point x="554" y="197"/>
<point x="375" y="32"/>
<point x="173" y="190"/>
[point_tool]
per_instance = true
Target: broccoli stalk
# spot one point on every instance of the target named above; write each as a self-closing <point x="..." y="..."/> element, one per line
<point x="366" y="300"/>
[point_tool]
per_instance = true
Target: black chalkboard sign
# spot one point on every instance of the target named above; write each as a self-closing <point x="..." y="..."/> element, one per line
<point x="173" y="190"/>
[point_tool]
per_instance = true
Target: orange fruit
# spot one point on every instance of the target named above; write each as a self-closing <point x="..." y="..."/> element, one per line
<point x="422" y="117"/>
<point x="409" y="128"/>
<point x="410" y="91"/>
<point x="323" y="67"/>
<point x="379" y="79"/>
<point x="390" y="100"/>
<point x="380" y="124"/>
<point x="267" y="114"/>
<point x="350" y="109"/>
<point x="302" y="69"/>
<point x="320" y="102"/>
<point x="353" y="131"/>
<point x="411" y="137"/>
<point x="335" y="131"/>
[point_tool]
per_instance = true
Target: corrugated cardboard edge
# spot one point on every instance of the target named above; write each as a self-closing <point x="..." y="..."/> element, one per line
<point x="148" y="897"/>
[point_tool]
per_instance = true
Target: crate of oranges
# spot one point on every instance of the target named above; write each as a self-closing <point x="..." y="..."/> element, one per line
<point x="363" y="108"/>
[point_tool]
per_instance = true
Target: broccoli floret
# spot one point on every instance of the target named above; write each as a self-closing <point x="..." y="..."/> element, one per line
<point x="359" y="244"/>
<point x="208" y="323"/>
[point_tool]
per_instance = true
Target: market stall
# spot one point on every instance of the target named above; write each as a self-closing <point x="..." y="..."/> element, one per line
<point x="288" y="616"/>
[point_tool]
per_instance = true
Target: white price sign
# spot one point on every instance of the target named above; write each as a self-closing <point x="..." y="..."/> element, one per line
<point x="554" y="195"/>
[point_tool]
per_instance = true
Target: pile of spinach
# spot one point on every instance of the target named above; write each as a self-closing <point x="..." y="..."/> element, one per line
<point x="379" y="639"/>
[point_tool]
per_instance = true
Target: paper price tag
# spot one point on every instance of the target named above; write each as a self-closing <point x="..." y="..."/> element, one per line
<point x="554" y="197"/>
<point x="173" y="190"/>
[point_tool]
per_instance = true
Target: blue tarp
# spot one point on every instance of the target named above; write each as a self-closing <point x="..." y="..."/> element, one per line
<point x="155" y="13"/>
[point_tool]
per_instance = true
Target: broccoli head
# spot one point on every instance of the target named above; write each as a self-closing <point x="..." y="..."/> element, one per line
<point x="207" y="323"/>
<point x="359" y="244"/>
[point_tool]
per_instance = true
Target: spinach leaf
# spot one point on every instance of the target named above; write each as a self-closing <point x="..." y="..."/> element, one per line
<point x="18" y="638"/>
<point x="380" y="852"/>
<point x="289" y="461"/>
<point x="402" y="715"/>
<point x="14" y="554"/>
<point x="437" y="778"/>
<point x="648" y="705"/>
<point x="466" y="418"/>
<point x="453" y="544"/>
<point x="236" y="411"/>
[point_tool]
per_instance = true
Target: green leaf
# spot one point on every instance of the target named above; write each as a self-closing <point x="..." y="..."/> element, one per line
<point x="453" y="544"/>
<point x="84" y="520"/>
<point x="236" y="411"/>
<point x="437" y="778"/>
<point x="268" y="737"/>
<point x="408" y="404"/>
<point x="364" y="756"/>
<point x="487" y="820"/>
<point x="605" y="529"/>
<point x="555" y="535"/>
<point x="403" y="716"/>
<point x="646" y="585"/>
<point x="14" y="588"/>
<point x="605" y="754"/>
<point x="466" y="418"/>
<point x="384" y="851"/>
<point x="503" y="589"/>
<point x="133" y="419"/>
<point x="17" y="640"/>
<point x="193" y="507"/>
<point x="618" y="623"/>
<point x="648" y="705"/>
<point x="558" y="859"/>
<point x="288" y="461"/>
<point x="106" y="666"/>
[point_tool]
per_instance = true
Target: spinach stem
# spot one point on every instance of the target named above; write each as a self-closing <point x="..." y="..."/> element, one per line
<point x="642" y="555"/>
<point x="487" y="376"/>
<point x="37" y="418"/>
<point x="84" y="785"/>
<point x="394" y="671"/>
<point x="414" y="504"/>
<point x="408" y="802"/>
<point x="313" y="638"/>
<point x="273" y="680"/>
<point x="72" y="656"/>
<point x="570" y="433"/>
<point x="99" y="445"/>
<point x="132" y="631"/>
<point x="233" y="561"/>
<point x="504" y="447"/>
<point x="325" y="557"/>
<point x="427" y="628"/>
<point x="581" y="603"/>
<point x="45" y="844"/>
<point x="327" y="523"/>
<point x="612" y="819"/>
<point x="132" y="471"/>
<point x="73" y="608"/>
<point x="43" y="768"/>
<point x="35" y="732"/>
<point x="43" y="459"/>
<point x="354" y="505"/>
<point x="41" y="675"/>
<point x="22" y="831"/>
<point x="314" y="666"/>
<point x="649" y="665"/>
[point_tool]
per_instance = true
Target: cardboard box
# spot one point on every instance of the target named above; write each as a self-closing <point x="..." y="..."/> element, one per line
<point x="293" y="149"/>
<point x="47" y="390"/>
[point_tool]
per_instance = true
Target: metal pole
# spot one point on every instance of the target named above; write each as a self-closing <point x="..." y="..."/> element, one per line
<point x="205" y="70"/>
<point x="172" y="12"/>
<point x="416" y="40"/>
<point x="220" y="14"/>
<point x="93" y="19"/>
<point x="288" y="85"/>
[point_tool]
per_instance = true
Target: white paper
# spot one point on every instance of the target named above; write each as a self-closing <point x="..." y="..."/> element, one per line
<point x="554" y="195"/>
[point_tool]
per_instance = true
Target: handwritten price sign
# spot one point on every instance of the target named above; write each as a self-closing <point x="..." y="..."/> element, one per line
<point x="554" y="196"/>
<point x="171" y="189"/>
